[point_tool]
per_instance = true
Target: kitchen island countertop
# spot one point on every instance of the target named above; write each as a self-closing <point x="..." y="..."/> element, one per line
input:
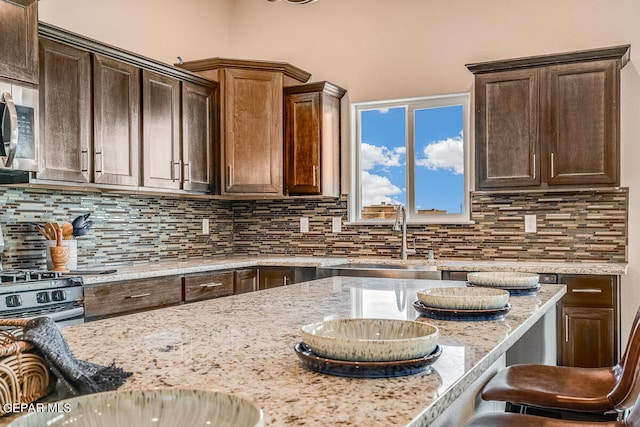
<point x="243" y="344"/>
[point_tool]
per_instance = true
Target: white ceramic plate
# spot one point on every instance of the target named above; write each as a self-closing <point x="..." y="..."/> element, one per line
<point x="370" y="340"/>
<point x="149" y="408"/>
<point x="504" y="279"/>
<point x="464" y="298"/>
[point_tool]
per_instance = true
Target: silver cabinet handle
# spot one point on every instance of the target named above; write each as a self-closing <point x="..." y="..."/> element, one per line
<point x="175" y="176"/>
<point x="229" y="175"/>
<point x="84" y="160"/>
<point x="314" y="175"/>
<point x="587" y="291"/>
<point x="139" y="296"/>
<point x="284" y="280"/>
<point x="211" y="285"/>
<point x="553" y="173"/>
<point x="534" y="166"/>
<point x="566" y="328"/>
<point x="98" y="164"/>
<point x="186" y="171"/>
<point x="11" y="146"/>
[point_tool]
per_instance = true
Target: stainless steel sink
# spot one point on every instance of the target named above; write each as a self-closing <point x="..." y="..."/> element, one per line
<point x="392" y="271"/>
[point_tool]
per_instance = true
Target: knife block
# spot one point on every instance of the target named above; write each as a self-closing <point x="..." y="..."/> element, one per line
<point x="59" y="256"/>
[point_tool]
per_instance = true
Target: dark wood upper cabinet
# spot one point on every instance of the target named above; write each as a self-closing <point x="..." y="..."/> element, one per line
<point x="507" y="148"/>
<point x="312" y="139"/>
<point x="582" y="108"/>
<point x="116" y="121"/>
<point x="549" y="121"/>
<point x="199" y="151"/>
<point x="162" y="162"/>
<point x="19" y="40"/>
<point x="65" y="113"/>
<point x="251" y="122"/>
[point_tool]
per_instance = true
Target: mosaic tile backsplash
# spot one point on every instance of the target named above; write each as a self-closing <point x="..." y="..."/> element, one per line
<point x="580" y="226"/>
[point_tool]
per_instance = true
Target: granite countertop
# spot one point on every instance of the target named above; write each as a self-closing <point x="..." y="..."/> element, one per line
<point x="168" y="268"/>
<point x="243" y="344"/>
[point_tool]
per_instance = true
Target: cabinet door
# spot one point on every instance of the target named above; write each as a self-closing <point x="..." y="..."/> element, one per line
<point x="197" y="137"/>
<point x="507" y="144"/>
<point x="65" y="113"/>
<point x="587" y="338"/>
<point x="208" y="285"/>
<point x="273" y="277"/>
<point x="161" y="130"/>
<point x="253" y="141"/>
<point x="19" y="40"/>
<point x="129" y="296"/>
<point x="245" y="280"/>
<point x="581" y="118"/>
<point x="302" y="143"/>
<point x="116" y="128"/>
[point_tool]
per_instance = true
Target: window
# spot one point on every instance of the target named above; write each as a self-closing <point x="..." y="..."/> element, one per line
<point x="413" y="152"/>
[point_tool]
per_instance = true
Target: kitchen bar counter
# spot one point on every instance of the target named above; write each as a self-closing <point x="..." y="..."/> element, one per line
<point x="243" y="344"/>
<point x="168" y="268"/>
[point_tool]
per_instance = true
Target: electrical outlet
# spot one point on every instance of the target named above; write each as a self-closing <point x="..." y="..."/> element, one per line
<point x="205" y="225"/>
<point x="336" y="224"/>
<point x="530" y="225"/>
<point x="304" y="225"/>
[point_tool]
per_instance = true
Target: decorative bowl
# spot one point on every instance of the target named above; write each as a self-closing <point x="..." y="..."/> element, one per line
<point x="504" y="279"/>
<point x="464" y="298"/>
<point x="370" y="340"/>
<point x="148" y="408"/>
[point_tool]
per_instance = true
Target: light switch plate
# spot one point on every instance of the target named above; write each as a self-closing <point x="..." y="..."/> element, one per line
<point x="530" y="225"/>
<point x="304" y="224"/>
<point x="205" y="225"/>
<point x="336" y="224"/>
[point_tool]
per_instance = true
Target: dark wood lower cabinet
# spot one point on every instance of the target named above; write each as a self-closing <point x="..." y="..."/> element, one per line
<point x="109" y="299"/>
<point x="209" y="285"/>
<point x="246" y="280"/>
<point x="273" y="277"/>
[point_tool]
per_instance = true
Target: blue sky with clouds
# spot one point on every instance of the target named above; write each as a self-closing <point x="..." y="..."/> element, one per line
<point x="439" y="164"/>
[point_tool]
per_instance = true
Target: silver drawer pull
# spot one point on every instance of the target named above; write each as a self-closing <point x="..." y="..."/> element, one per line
<point x="587" y="291"/>
<point x="211" y="285"/>
<point x="139" y="296"/>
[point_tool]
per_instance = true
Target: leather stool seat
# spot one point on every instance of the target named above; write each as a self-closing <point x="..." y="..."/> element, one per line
<point x="556" y="387"/>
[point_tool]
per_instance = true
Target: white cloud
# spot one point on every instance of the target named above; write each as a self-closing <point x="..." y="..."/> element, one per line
<point x="378" y="189"/>
<point x="446" y="154"/>
<point x="373" y="155"/>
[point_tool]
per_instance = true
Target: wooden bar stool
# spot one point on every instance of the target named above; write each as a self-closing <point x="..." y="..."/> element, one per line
<point x="574" y="390"/>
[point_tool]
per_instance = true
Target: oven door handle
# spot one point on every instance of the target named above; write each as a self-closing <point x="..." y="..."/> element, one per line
<point x="10" y="143"/>
<point x="66" y="314"/>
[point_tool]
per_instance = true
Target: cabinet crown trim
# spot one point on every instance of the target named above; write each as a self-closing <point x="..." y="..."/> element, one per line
<point x="61" y="35"/>
<point x="616" y="52"/>
<point x="324" y="86"/>
<point x="212" y="63"/>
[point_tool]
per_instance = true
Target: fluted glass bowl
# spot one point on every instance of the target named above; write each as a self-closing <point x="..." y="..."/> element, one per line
<point x="148" y="408"/>
<point x="370" y="340"/>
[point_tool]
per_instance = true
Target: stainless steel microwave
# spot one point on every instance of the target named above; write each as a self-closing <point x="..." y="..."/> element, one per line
<point x="18" y="131"/>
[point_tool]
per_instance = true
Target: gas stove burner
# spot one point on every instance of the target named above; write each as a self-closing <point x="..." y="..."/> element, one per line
<point x="15" y="276"/>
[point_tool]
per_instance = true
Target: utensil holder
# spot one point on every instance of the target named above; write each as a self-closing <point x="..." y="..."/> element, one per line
<point x="59" y="256"/>
<point x="72" y="262"/>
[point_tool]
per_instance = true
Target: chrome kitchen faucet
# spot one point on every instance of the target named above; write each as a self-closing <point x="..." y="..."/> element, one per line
<point x="401" y="211"/>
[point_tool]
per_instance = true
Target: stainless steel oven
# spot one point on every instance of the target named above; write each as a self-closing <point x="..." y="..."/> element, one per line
<point x="33" y="293"/>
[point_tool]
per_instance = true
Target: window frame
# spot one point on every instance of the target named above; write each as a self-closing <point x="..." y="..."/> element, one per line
<point x="411" y="104"/>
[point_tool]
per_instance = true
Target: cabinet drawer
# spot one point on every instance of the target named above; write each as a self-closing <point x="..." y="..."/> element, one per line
<point x="208" y="285"/>
<point x="589" y="291"/>
<point x="121" y="297"/>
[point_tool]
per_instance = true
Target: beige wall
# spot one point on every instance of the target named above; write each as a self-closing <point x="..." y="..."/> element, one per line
<point x="158" y="29"/>
<point x="380" y="49"/>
